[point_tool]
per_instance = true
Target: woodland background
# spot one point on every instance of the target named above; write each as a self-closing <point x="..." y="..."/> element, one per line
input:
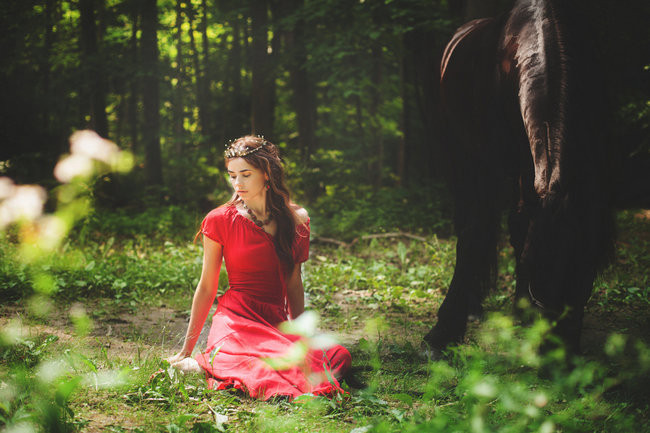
<point x="347" y="88"/>
<point x="95" y="292"/>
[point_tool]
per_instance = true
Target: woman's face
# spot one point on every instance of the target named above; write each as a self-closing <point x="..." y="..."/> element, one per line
<point x="247" y="181"/>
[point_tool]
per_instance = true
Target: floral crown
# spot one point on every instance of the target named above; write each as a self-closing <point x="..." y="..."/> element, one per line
<point x="236" y="150"/>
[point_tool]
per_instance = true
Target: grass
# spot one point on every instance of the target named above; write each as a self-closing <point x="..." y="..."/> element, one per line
<point x="94" y="362"/>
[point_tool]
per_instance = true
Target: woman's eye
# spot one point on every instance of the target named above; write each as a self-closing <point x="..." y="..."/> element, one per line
<point x="246" y="175"/>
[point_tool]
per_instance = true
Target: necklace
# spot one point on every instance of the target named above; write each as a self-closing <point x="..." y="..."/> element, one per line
<point x="255" y="219"/>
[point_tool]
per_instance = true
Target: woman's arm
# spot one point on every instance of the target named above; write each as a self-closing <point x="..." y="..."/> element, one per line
<point x="295" y="292"/>
<point x="204" y="296"/>
<point x="295" y="289"/>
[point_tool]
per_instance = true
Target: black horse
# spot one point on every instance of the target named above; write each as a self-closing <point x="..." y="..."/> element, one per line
<point x="525" y="129"/>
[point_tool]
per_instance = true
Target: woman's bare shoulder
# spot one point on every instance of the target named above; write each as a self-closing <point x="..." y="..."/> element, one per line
<point x="301" y="213"/>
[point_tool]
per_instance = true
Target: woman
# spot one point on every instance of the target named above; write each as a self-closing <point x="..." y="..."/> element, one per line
<point x="263" y="238"/>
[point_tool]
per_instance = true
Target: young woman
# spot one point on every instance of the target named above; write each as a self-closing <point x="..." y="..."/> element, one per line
<point x="263" y="238"/>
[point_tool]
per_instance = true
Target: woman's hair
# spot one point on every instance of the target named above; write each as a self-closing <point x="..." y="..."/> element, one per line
<point x="264" y="155"/>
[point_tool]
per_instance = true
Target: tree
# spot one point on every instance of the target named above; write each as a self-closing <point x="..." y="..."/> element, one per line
<point x="263" y="77"/>
<point x="151" y="93"/>
<point x="202" y="87"/>
<point x="95" y="83"/>
<point x="302" y="87"/>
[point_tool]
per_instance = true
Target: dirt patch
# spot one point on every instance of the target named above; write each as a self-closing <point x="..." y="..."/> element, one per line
<point x="599" y="324"/>
<point x="120" y="333"/>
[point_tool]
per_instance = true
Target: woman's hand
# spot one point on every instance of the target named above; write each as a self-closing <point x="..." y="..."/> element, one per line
<point x="184" y="363"/>
<point x="176" y="358"/>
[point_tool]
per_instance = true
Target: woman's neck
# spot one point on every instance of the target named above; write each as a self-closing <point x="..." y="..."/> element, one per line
<point x="258" y="206"/>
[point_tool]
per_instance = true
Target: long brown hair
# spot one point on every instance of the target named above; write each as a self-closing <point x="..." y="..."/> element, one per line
<point x="278" y="201"/>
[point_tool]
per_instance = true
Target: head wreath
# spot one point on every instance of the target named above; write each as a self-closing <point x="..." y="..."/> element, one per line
<point x="236" y="150"/>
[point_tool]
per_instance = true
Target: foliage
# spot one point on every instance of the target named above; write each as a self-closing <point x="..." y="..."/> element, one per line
<point x="128" y="271"/>
<point x="370" y="67"/>
<point x="627" y="282"/>
<point x="36" y="390"/>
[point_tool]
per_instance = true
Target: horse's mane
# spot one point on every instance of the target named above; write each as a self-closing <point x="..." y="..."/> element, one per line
<point x="540" y="57"/>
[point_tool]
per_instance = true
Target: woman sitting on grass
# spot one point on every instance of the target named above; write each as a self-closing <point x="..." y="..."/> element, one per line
<point x="263" y="238"/>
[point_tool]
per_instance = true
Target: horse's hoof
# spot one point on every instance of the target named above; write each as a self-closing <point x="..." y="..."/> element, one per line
<point x="430" y="353"/>
<point x="353" y="381"/>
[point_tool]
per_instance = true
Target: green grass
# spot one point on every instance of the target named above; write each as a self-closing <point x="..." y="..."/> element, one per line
<point x="119" y="307"/>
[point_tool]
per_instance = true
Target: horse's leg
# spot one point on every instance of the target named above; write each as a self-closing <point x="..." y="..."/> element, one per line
<point x="476" y="223"/>
<point x="569" y="322"/>
<point x="518" y="220"/>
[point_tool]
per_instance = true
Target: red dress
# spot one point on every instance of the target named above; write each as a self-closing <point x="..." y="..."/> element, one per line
<point x="244" y="328"/>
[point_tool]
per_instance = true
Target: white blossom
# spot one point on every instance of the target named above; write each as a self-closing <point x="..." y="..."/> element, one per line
<point x="7" y="187"/>
<point x="25" y="202"/>
<point x="89" y="144"/>
<point x="72" y="166"/>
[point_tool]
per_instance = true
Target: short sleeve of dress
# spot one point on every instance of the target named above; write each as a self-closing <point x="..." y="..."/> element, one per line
<point x="214" y="225"/>
<point x="301" y="248"/>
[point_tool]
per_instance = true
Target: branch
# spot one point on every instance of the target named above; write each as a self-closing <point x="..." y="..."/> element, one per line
<point x="365" y="237"/>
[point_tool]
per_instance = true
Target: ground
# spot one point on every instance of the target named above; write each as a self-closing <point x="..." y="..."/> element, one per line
<point x="379" y="300"/>
<point x="152" y="333"/>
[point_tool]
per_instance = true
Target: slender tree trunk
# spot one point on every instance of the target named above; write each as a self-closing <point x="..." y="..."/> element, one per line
<point x="236" y="125"/>
<point x="262" y="77"/>
<point x="424" y="79"/>
<point x="150" y="93"/>
<point x="201" y="90"/>
<point x="204" y="33"/>
<point x="302" y="87"/>
<point x="276" y="44"/>
<point x="99" y="108"/>
<point x="208" y="114"/>
<point x="95" y="75"/>
<point x="404" y="118"/>
<point x="376" y="137"/>
<point x="132" y="104"/>
<point x="46" y="65"/>
<point x="358" y="117"/>
<point x="178" y="108"/>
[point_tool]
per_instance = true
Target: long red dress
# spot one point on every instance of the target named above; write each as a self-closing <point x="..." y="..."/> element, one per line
<point x="244" y="328"/>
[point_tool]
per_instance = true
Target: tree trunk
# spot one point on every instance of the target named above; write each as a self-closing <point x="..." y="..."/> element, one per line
<point x="201" y="90"/>
<point x="376" y="136"/>
<point x="423" y="79"/>
<point x="93" y="65"/>
<point x="236" y="115"/>
<point x="261" y="68"/>
<point x="400" y="168"/>
<point x="178" y="108"/>
<point x="46" y="66"/>
<point x="208" y="112"/>
<point x="150" y="93"/>
<point x="132" y="104"/>
<point x="303" y="92"/>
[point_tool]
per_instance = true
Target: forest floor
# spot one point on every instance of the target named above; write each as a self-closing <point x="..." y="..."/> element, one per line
<point x="148" y="335"/>
<point x="374" y="300"/>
